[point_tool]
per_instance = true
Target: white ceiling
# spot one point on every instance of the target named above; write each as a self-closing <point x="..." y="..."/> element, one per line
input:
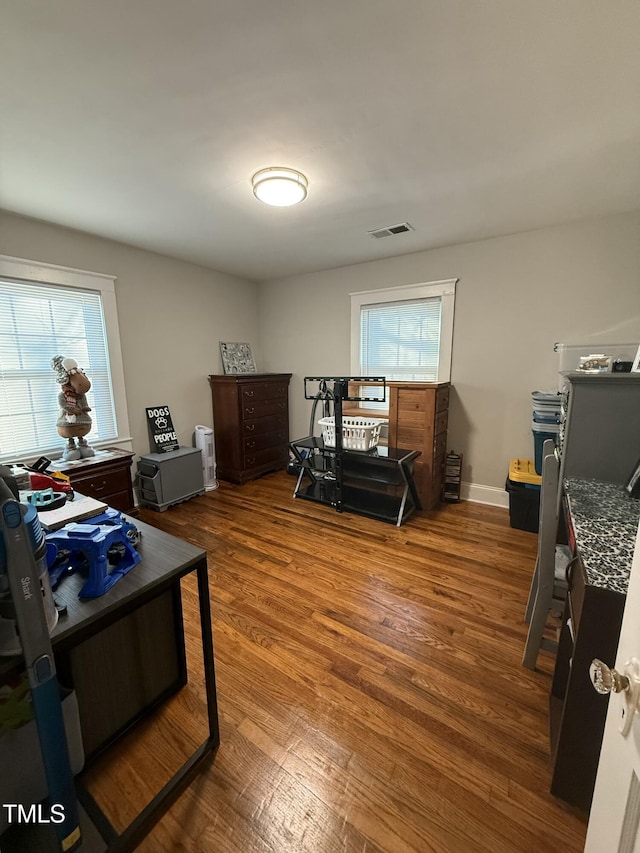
<point x="143" y="121"/>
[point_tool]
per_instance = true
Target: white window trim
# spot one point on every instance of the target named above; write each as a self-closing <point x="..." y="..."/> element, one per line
<point x="21" y="269"/>
<point x="425" y="290"/>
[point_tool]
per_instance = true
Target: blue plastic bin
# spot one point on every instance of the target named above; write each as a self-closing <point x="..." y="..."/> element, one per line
<point x="539" y="438"/>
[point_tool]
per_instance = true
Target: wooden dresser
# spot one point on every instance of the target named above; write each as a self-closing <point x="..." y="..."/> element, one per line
<point x="418" y="416"/>
<point x="105" y="476"/>
<point x="251" y="424"/>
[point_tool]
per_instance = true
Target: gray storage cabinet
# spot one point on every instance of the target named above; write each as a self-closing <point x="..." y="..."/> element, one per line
<point x="600" y="426"/>
<point x="165" y="479"/>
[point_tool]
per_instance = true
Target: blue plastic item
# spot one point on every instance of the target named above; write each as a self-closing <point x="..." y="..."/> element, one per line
<point x="34" y="532"/>
<point x="539" y="439"/>
<point x="45" y="499"/>
<point x="106" y="549"/>
<point x="114" y="517"/>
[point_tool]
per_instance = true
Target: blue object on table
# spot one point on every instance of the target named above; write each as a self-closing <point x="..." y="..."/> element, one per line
<point x="46" y="499"/>
<point x="114" y="517"/>
<point x="106" y="548"/>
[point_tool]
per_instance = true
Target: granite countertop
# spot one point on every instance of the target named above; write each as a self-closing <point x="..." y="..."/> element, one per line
<point x="605" y="523"/>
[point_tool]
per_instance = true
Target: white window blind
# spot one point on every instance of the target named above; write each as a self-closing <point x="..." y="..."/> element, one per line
<point x="401" y="340"/>
<point x="403" y="333"/>
<point x="37" y="322"/>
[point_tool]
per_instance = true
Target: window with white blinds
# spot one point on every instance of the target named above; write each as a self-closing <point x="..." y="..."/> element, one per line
<point x="401" y="340"/>
<point x="39" y="320"/>
<point x="404" y="334"/>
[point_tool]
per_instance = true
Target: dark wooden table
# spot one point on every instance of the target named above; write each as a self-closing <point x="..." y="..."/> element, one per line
<point x="165" y="560"/>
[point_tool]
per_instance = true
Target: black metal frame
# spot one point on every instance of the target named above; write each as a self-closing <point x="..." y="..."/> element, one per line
<point x="131" y="837"/>
<point x="393" y="467"/>
<point x="165" y="561"/>
<point x="338" y="395"/>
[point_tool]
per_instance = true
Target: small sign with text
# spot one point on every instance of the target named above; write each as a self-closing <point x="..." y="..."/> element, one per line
<point x="163" y="436"/>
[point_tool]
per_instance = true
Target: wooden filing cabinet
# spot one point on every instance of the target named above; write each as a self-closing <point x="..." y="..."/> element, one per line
<point x="418" y="418"/>
<point x="251" y="424"/>
<point x="106" y="477"/>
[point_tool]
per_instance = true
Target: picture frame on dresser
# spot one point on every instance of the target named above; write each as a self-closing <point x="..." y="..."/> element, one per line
<point x="635" y="367"/>
<point x="237" y="358"/>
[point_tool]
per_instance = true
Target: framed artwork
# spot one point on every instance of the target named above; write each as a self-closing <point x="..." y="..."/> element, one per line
<point x="635" y="368"/>
<point x="237" y="358"/>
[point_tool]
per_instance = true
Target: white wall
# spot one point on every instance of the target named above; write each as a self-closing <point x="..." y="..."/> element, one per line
<point x="172" y="316"/>
<point x="516" y="296"/>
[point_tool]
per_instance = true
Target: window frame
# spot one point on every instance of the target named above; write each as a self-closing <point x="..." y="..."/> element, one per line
<point x="39" y="272"/>
<point x="445" y="289"/>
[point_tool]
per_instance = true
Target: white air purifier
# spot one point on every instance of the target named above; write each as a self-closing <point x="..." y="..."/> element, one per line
<point x="206" y="445"/>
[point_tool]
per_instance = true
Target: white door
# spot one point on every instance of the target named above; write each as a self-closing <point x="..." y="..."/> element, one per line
<point x="615" y="812"/>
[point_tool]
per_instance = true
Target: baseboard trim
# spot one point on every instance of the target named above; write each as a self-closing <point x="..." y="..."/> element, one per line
<point x="484" y="495"/>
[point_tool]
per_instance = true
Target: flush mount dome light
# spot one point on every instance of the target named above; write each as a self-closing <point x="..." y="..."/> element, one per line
<point x="279" y="186"/>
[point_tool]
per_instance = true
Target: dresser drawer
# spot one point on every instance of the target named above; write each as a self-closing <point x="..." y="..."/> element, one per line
<point x="259" y="458"/>
<point x="269" y="424"/>
<point x="262" y="408"/>
<point x="413" y="401"/>
<point x="264" y="391"/>
<point x="260" y="441"/>
<point x="411" y="437"/>
<point x="105" y="476"/>
<point x="102" y="484"/>
<point x="120" y="501"/>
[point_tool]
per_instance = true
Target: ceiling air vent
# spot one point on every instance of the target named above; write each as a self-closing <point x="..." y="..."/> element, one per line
<point x="390" y="230"/>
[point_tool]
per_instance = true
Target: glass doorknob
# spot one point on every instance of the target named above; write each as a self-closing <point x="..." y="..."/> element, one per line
<point x="607" y="680"/>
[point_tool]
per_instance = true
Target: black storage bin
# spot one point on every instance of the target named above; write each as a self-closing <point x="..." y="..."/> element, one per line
<point x="524" y="505"/>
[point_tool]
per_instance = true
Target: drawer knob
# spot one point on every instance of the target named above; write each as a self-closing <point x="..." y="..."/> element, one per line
<point x="251" y="444"/>
<point x="248" y="393"/>
<point x="250" y="427"/>
<point x="250" y="410"/>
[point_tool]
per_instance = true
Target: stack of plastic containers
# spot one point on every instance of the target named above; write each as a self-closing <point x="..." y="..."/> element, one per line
<point x="545" y="423"/>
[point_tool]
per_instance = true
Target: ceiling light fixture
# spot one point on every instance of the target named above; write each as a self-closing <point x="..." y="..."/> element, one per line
<point x="279" y="186"/>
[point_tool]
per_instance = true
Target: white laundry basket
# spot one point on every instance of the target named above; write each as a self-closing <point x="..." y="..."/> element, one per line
<point x="357" y="433"/>
<point x="206" y="444"/>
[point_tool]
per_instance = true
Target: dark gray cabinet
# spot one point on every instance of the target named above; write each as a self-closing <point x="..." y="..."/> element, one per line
<point x="600" y="426"/>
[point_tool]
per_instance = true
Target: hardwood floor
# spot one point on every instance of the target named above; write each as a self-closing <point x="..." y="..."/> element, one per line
<point x="370" y="690"/>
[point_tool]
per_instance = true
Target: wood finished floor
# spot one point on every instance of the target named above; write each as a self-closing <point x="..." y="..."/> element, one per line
<point x="370" y="690"/>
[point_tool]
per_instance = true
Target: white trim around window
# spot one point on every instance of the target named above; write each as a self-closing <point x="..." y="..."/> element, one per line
<point x="445" y="289"/>
<point x="38" y="271"/>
